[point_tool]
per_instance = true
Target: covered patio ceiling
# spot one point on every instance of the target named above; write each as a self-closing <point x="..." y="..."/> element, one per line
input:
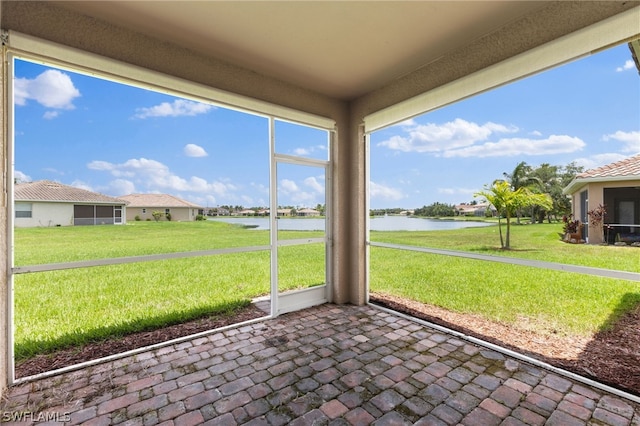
<point x="341" y="49"/>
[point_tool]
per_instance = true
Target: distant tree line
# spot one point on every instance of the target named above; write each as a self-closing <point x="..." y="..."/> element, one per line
<point x="544" y="179"/>
<point x="436" y="210"/>
<point x="382" y="212"/>
<point x="227" y="210"/>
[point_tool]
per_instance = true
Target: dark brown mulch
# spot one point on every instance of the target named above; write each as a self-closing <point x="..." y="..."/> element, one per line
<point x="72" y="356"/>
<point x="611" y="357"/>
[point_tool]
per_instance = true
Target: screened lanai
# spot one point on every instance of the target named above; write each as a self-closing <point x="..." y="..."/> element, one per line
<point x="345" y="69"/>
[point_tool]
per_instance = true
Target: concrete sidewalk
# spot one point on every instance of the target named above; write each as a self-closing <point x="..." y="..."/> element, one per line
<point x="328" y="365"/>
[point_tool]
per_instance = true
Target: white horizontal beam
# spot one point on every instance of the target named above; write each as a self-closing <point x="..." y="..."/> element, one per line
<point x="623" y="27"/>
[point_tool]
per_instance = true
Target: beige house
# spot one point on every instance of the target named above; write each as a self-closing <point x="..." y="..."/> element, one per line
<point x="615" y="186"/>
<point x="479" y="209"/>
<point x="308" y="212"/>
<point x="47" y="203"/>
<point x="142" y="206"/>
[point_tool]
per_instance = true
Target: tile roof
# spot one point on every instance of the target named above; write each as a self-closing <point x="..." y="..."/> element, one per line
<point x="156" y="200"/>
<point x="628" y="167"/>
<point x="46" y="190"/>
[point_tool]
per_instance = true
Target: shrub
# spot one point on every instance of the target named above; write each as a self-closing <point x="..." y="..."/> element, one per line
<point x="137" y="218"/>
<point x="570" y="226"/>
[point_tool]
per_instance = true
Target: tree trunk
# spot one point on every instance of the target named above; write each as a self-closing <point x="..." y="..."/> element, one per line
<point x="507" y="245"/>
<point x="500" y="232"/>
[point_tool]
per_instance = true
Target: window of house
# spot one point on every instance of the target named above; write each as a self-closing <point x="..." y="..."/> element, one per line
<point x="23" y="210"/>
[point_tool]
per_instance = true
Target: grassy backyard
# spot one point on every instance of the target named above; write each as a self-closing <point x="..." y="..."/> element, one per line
<point x="62" y="308"/>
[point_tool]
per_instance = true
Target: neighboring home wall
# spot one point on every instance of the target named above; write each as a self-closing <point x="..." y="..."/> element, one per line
<point x="46" y="203"/>
<point x="142" y="206"/>
<point x="46" y="214"/>
<point x="597" y="195"/>
<point x="178" y="214"/>
<point x="608" y="185"/>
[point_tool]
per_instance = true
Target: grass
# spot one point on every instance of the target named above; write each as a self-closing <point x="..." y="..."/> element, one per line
<point x="538" y="242"/>
<point x="546" y="301"/>
<point x="72" y="307"/>
<point x="69" y="243"/>
<point x="58" y="309"/>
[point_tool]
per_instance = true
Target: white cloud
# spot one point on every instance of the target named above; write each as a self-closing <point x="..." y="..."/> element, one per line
<point x="461" y="138"/>
<point x="631" y="140"/>
<point x="437" y="138"/>
<point x="457" y="191"/>
<point x="293" y="193"/>
<point x="313" y="183"/>
<point x="121" y="187"/>
<point x="301" y="152"/>
<point x="378" y="191"/>
<point x="305" y="152"/>
<point x="510" y="147"/>
<point x="598" y="160"/>
<point x="193" y="150"/>
<point x="629" y="64"/>
<point x="21" y="177"/>
<point x="156" y="177"/>
<point x="50" y="115"/>
<point x="51" y="89"/>
<point x="179" y="107"/>
<point x="288" y="186"/>
<point x="82" y="185"/>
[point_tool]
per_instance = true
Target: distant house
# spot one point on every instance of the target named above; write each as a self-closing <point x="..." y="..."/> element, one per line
<point x="142" y="206"/>
<point x="617" y="187"/>
<point x="47" y="203"/>
<point x="308" y="212"/>
<point x="284" y="212"/>
<point x="474" y="209"/>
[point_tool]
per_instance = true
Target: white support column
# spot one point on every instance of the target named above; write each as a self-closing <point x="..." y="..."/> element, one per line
<point x="5" y="302"/>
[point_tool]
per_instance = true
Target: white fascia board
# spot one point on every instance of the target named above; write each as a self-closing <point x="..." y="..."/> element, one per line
<point x="42" y="51"/>
<point x="601" y="35"/>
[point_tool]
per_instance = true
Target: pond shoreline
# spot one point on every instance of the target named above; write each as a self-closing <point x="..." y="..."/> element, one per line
<point x="377" y="223"/>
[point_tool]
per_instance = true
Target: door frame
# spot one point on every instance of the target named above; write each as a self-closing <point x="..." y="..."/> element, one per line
<point x="305" y="298"/>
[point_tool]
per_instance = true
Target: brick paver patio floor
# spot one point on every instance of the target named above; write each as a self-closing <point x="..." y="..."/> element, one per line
<point x="328" y="365"/>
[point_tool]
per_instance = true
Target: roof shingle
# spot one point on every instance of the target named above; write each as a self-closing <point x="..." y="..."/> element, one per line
<point x="46" y="190"/>
<point x="627" y="167"/>
<point x="156" y="200"/>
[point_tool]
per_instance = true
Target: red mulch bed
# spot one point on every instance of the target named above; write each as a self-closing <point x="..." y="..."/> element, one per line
<point x="611" y="357"/>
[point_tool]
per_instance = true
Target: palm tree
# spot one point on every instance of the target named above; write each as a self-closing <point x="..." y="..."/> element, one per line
<point x="521" y="177"/>
<point x="508" y="201"/>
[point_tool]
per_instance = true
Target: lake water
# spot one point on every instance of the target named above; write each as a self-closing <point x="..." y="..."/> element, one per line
<point x="383" y="223"/>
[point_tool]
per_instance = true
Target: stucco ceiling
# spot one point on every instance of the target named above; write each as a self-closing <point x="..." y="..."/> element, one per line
<point x="342" y="49"/>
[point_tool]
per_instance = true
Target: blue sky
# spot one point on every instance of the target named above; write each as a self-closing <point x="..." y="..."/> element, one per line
<point x="116" y="139"/>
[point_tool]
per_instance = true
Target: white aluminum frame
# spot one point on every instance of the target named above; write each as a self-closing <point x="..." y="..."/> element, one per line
<point x="28" y="48"/>
<point x="300" y="299"/>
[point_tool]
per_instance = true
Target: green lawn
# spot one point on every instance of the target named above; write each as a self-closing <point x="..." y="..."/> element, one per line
<point x="539" y="242"/>
<point x="71" y="307"/>
<point x="546" y="301"/>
